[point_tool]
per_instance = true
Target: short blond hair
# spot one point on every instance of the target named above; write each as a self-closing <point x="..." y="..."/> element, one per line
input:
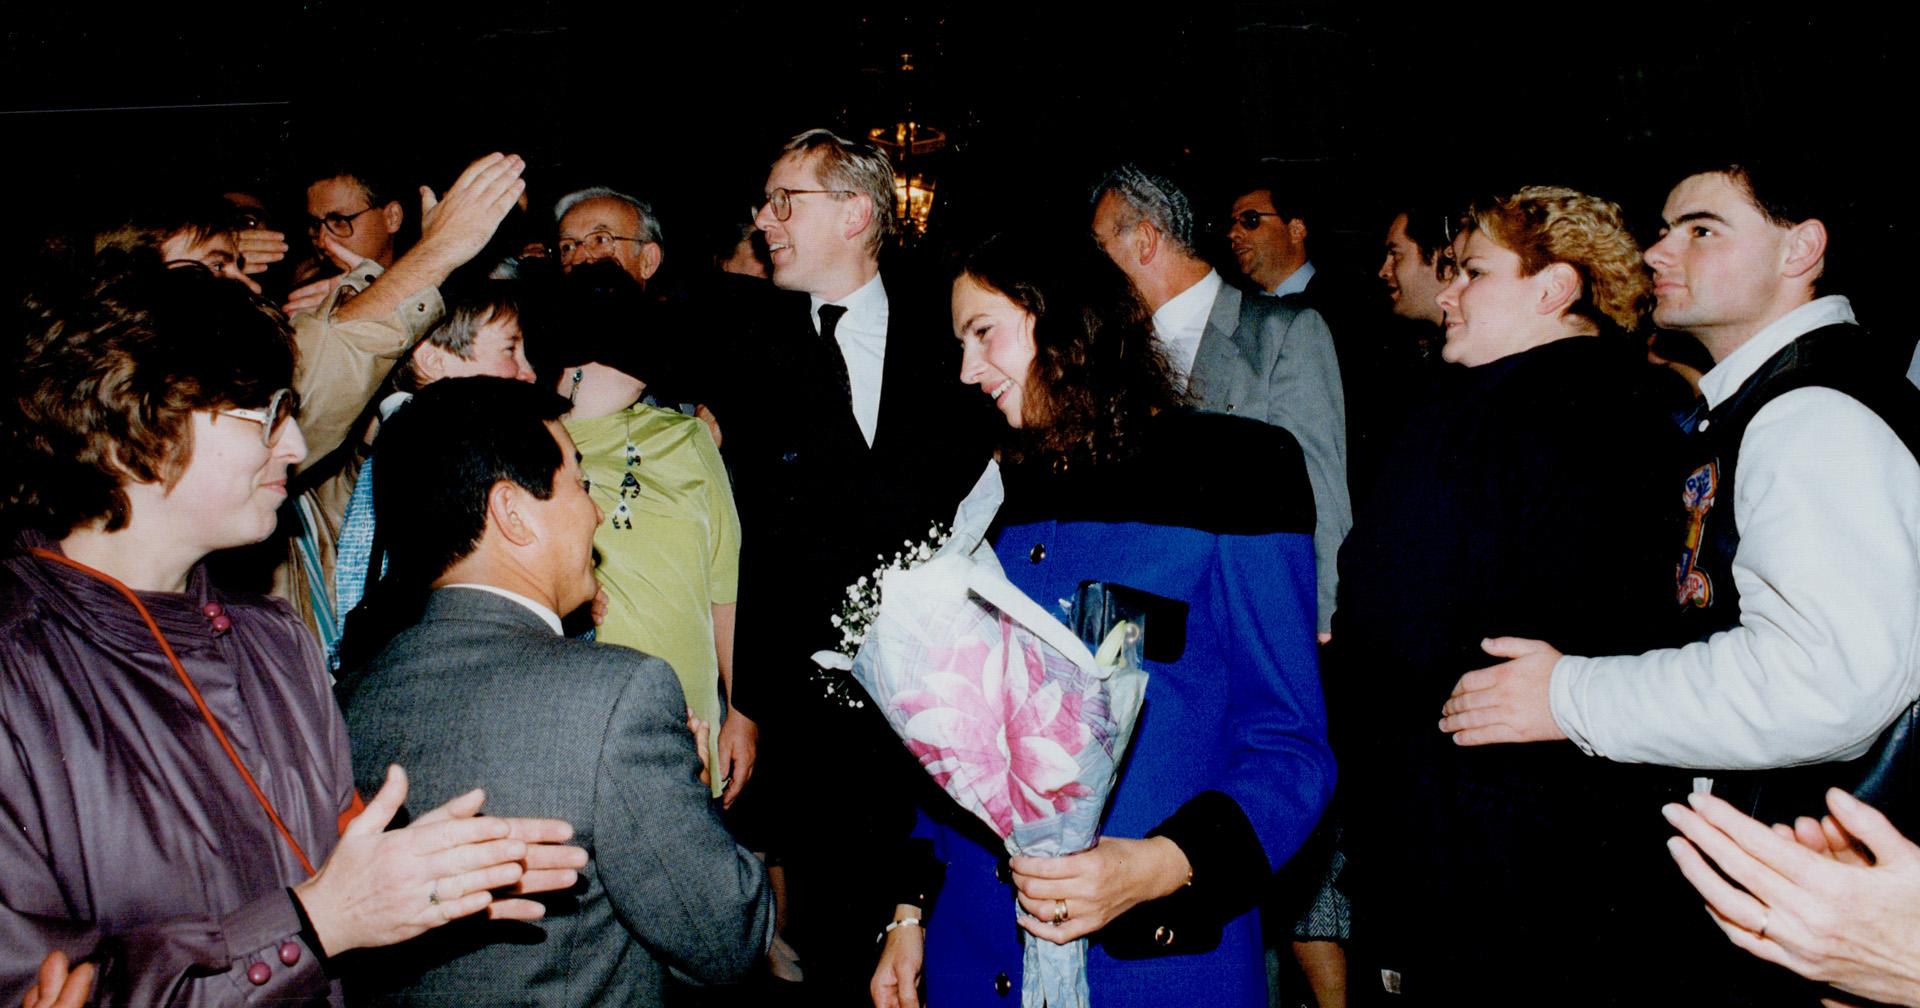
<point x="1544" y="225"/>
<point x="855" y="166"/>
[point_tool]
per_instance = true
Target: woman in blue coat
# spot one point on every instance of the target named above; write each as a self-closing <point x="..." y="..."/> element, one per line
<point x="1108" y="479"/>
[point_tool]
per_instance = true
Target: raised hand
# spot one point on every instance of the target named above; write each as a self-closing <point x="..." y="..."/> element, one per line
<point x="260" y="248"/>
<point x="458" y="225"/>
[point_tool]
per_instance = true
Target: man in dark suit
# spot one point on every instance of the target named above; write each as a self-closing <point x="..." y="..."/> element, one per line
<point x="849" y="434"/>
<point x="1243" y="354"/>
<point x="481" y="491"/>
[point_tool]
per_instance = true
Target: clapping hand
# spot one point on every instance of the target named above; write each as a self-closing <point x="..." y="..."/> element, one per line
<point x="384" y="886"/>
<point x="1807" y="897"/>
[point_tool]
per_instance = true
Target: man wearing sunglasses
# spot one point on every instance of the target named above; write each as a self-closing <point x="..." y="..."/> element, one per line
<point x="1269" y="243"/>
<point x="1248" y="355"/>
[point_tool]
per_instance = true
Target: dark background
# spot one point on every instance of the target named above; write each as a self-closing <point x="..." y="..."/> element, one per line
<point x="684" y="104"/>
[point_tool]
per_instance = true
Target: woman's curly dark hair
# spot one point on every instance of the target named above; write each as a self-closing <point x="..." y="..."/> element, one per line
<point x="103" y="384"/>
<point x="1097" y="375"/>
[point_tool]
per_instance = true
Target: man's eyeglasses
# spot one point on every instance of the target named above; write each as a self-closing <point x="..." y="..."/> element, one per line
<point x="781" y="200"/>
<point x="284" y="406"/>
<point x="339" y="225"/>
<point x="1249" y="220"/>
<point x="597" y="243"/>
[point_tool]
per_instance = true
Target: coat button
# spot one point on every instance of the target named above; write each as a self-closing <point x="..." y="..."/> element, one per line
<point x="259" y="973"/>
<point x="1704" y="424"/>
<point x="1163" y="936"/>
<point x="1002" y="985"/>
<point x="1037" y="553"/>
<point x="1002" y="873"/>
<point x="289" y="953"/>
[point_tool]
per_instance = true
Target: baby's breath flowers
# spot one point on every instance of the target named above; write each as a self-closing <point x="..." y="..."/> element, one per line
<point x="862" y="604"/>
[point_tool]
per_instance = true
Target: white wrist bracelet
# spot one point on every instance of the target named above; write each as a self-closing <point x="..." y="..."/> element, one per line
<point x="902" y="922"/>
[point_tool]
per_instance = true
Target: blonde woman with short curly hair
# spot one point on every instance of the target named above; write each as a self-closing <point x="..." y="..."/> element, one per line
<point x="1540" y="265"/>
<point x="1534" y="491"/>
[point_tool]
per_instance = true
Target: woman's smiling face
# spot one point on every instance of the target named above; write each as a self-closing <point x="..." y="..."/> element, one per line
<point x="996" y="343"/>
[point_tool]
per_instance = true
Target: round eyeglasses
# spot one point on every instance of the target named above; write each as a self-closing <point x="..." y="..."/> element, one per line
<point x="284" y="406"/>
<point x="781" y="200"/>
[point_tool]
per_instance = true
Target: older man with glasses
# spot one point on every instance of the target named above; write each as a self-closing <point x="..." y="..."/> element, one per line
<point x="601" y="223"/>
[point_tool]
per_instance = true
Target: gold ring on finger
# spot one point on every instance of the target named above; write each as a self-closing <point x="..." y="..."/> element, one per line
<point x="1060" y="914"/>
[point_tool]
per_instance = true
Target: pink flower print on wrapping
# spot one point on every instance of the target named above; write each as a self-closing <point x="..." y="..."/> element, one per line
<point x="997" y="734"/>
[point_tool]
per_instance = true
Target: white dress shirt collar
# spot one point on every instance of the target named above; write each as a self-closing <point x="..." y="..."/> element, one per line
<point x="547" y="616"/>
<point x="1727" y="376"/>
<point x="1180" y="323"/>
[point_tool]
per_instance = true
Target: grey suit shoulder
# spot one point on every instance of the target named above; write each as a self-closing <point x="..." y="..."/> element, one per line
<point x="482" y="693"/>
<point x="1271" y="360"/>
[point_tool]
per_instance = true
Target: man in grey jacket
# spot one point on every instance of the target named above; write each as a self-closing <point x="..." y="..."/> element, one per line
<point x="481" y="489"/>
<point x="1249" y="355"/>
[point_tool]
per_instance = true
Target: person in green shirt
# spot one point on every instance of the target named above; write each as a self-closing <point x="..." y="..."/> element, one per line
<point x="669" y="541"/>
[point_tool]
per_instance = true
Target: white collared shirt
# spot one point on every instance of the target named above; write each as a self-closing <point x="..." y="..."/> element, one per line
<point x="1180" y="323"/>
<point x="862" y="335"/>
<point x="547" y="616"/>
<point x="1295" y="283"/>
<point x="1727" y="376"/>
<point x="1828" y="571"/>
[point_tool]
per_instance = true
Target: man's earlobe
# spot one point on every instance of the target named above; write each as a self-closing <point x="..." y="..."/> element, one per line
<point x="859" y="216"/>
<point x="503" y="513"/>
<point x="1145" y="242"/>
<point x="1806" y="250"/>
<point x="651" y="256"/>
<point x="395" y="215"/>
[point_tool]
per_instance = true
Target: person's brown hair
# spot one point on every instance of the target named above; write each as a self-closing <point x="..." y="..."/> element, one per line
<point x="106" y="380"/>
<point x="1097" y="375"/>
<point x="1544" y="225"/>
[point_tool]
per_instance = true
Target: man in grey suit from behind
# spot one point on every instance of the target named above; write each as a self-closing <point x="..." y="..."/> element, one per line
<point x="1249" y="355"/>
<point x="480" y="494"/>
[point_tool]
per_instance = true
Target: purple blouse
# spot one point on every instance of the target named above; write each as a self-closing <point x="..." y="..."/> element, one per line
<point x="127" y="838"/>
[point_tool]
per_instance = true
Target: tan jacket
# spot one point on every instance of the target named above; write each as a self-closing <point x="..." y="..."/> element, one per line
<point x="341" y="366"/>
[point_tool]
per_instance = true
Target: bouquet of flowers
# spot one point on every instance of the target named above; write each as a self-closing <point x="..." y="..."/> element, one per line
<point x="1015" y="716"/>
<point x="857" y="612"/>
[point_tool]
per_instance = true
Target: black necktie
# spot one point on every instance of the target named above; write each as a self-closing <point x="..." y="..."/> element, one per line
<point x="829" y="321"/>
